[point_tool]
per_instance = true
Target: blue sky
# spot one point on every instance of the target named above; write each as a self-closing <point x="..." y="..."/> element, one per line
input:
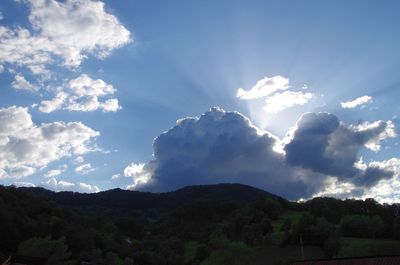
<point x="109" y="77"/>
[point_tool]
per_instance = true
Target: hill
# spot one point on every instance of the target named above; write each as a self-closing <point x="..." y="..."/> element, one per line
<point x="118" y="201"/>
<point x="196" y="225"/>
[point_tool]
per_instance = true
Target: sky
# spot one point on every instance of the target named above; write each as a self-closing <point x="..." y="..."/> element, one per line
<point x="299" y="98"/>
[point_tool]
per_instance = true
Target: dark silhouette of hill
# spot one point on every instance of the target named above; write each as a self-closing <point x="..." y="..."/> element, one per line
<point x="118" y="200"/>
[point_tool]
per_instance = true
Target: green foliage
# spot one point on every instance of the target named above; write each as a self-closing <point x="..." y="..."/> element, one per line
<point x="205" y="232"/>
<point x="362" y="226"/>
<point x="396" y="228"/>
<point x="230" y="252"/>
<point x="272" y="208"/>
<point x="313" y="230"/>
<point x="352" y="247"/>
<point x="56" y="251"/>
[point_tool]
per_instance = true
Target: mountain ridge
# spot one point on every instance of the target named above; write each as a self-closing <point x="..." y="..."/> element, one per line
<point x="118" y="199"/>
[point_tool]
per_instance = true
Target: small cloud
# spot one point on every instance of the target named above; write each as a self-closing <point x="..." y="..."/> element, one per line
<point x="84" y="169"/>
<point x="1" y="68"/>
<point x="264" y="87"/>
<point x="139" y="174"/>
<point x="115" y="176"/>
<point x="24" y="184"/>
<point x="356" y="102"/>
<point x="86" y="188"/>
<point x="78" y="160"/>
<point x="61" y="185"/>
<point x="284" y="100"/>
<point x="22" y="84"/>
<point x="275" y="101"/>
<point x="82" y="94"/>
<point x="379" y="130"/>
<point x="55" y="172"/>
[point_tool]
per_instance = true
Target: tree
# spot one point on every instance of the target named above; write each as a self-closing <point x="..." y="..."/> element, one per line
<point x="56" y="251"/>
<point x="362" y="226"/>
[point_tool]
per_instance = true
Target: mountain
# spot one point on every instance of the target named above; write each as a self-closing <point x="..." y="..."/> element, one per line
<point x="118" y="200"/>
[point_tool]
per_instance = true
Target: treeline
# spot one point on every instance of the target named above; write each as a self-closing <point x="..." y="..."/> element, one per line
<point x="206" y="232"/>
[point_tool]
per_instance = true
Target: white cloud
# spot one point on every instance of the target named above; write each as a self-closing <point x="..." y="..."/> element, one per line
<point x="268" y="88"/>
<point x="24" y="184"/>
<point x="21" y="171"/>
<point x="25" y="146"/>
<point x="21" y="83"/>
<point x="115" y="176"/>
<point x="356" y="102"/>
<point x="335" y="188"/>
<point x="139" y="174"/>
<point x="55" y="172"/>
<point x="387" y="132"/>
<point x="69" y="30"/>
<point x="53" y="104"/>
<point x="284" y="100"/>
<point x="264" y="87"/>
<point x="84" y="169"/>
<point x="60" y="185"/>
<point x="1" y="68"/>
<point x="82" y="94"/>
<point x="78" y="160"/>
<point x="386" y="190"/>
<point x="38" y="69"/>
<point x="86" y="188"/>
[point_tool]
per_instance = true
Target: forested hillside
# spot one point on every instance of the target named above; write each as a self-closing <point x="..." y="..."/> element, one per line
<point x="216" y="224"/>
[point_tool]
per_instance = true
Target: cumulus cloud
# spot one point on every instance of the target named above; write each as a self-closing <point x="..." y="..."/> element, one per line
<point x="356" y="102"/>
<point x="66" y="31"/>
<point x="264" y="87"/>
<point x="86" y="188"/>
<point x="284" y="100"/>
<point x="139" y="174"/>
<point x="268" y="88"/>
<point x="82" y="94"/>
<point x="61" y="185"/>
<point x="84" y="169"/>
<point x="381" y="131"/>
<point x="22" y="84"/>
<point x="55" y="172"/>
<point x="320" y="156"/>
<point x="386" y="190"/>
<point x="24" y="184"/>
<point x="323" y="144"/>
<point x="219" y="147"/>
<point x="26" y="146"/>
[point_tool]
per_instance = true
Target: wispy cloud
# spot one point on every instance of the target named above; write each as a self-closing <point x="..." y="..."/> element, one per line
<point x="84" y="169"/>
<point x="268" y="89"/>
<point x="356" y="102"/>
<point x="284" y="100"/>
<point x="264" y="87"/>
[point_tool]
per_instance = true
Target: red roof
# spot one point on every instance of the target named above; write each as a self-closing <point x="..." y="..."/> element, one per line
<point x="389" y="260"/>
